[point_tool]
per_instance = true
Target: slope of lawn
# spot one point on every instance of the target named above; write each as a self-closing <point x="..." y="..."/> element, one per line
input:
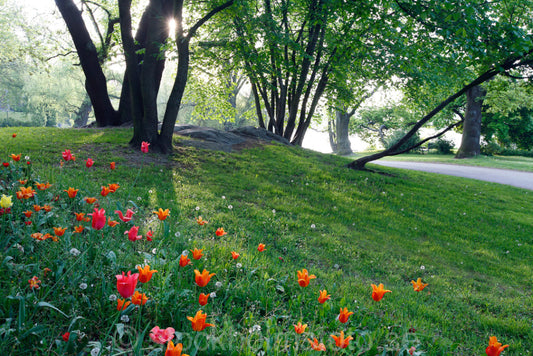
<point x="471" y="241"/>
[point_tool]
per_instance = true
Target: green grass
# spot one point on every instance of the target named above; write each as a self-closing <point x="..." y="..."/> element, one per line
<point x="502" y="162"/>
<point x="470" y="240"/>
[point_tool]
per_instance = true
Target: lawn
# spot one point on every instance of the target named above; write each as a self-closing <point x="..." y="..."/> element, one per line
<point x="470" y="241"/>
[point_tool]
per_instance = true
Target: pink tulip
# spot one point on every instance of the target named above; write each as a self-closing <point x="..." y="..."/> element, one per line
<point x="161" y="336"/>
<point x="99" y="219"/>
<point x="132" y="234"/>
<point x="128" y="217"/>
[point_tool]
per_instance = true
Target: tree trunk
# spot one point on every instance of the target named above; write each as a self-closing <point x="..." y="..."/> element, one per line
<point x="332" y="133"/>
<point x="82" y="115"/>
<point x="96" y="83"/>
<point x="470" y="146"/>
<point x="342" y="119"/>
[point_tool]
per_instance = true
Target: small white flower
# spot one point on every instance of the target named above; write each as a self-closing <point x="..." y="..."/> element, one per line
<point x="223" y="197"/>
<point x="27" y="158"/>
<point x="154" y="251"/>
<point x="95" y="351"/>
<point x="150" y="191"/>
<point x="313" y="226"/>
<point x="112" y="298"/>
<point x="255" y="328"/>
<point x="139" y="198"/>
<point x="306" y="183"/>
<point x="336" y="266"/>
<point x="197" y="208"/>
<point x="74" y="252"/>
<point x="212" y="295"/>
<point x="218" y="284"/>
<point x="273" y="211"/>
<point x="401" y="194"/>
<point x="21" y="248"/>
<point x="125" y="318"/>
<point x="507" y="251"/>
<point x="238" y="265"/>
<point x="83" y="286"/>
<point x="230" y="207"/>
<point x="185" y="252"/>
<point x="422" y="267"/>
<point x="177" y="234"/>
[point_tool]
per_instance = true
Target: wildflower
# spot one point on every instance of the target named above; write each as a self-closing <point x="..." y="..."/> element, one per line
<point x="323" y="296"/>
<point x="418" y="286"/>
<point x="34" y="282"/>
<point x="37" y="236"/>
<point x="89" y="163"/>
<point x="126" y="283"/>
<point x="238" y="265"/>
<point x="234" y="255"/>
<point x="112" y="223"/>
<point x="144" y="147"/>
<point x="122" y="304"/>
<point x="65" y="336"/>
<point x="184" y="260"/>
<point x="378" y="292"/>
<point x="127" y="217"/>
<point x="113" y="187"/>
<point x="344" y="315"/>
<point x="105" y="191"/>
<point x="149" y="235"/>
<point x="160" y="336"/>
<point x="5" y="164"/>
<point x="202" y="300"/>
<point x="494" y="348"/>
<point x="203" y="278"/>
<point x="125" y="318"/>
<point x="78" y="229"/>
<point x="15" y="157"/>
<point x="23" y="181"/>
<point x="99" y="219"/>
<point x="422" y="267"/>
<point x="174" y="350"/>
<point x="37" y="208"/>
<point x="83" y="286"/>
<point x="342" y="342"/>
<point x="71" y="192"/>
<point x="132" y="234"/>
<point x="79" y="216"/>
<point x="299" y="328"/>
<point x="42" y="186"/>
<point x="6" y="201"/>
<point x="230" y="207"/>
<point x="304" y="278"/>
<point x="255" y="328"/>
<point x="139" y="299"/>
<point x="67" y="156"/>
<point x="317" y="346"/>
<point x="25" y="193"/>
<point x="59" y="231"/>
<point x="218" y="284"/>
<point x="261" y="247"/>
<point x="213" y="294"/>
<point x="201" y="221"/>
<point x="74" y="252"/>
<point x="145" y="274"/>
<point x="313" y="226"/>
<point x="197" y="254"/>
<point x="47" y="208"/>
<point x="112" y="165"/>
<point x="198" y="322"/>
<point x="220" y="232"/>
<point x="90" y="200"/>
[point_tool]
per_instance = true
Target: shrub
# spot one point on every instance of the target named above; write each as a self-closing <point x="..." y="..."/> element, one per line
<point x="397" y="135"/>
<point x="443" y="146"/>
<point x="491" y="148"/>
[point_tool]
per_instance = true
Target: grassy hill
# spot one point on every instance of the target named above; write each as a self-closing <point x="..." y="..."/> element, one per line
<point x="470" y="241"/>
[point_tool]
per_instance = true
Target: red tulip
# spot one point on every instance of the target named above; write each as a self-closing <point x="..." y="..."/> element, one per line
<point x="89" y="163"/>
<point x="126" y="284"/>
<point x="99" y="219"/>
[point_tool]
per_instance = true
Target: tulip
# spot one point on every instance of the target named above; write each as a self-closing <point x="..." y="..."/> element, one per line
<point x="28" y="213"/>
<point x="139" y="299"/>
<point x="203" y="278"/>
<point x="323" y="296"/>
<point x="42" y="186"/>
<point x="344" y="315"/>
<point x="198" y="322"/>
<point x="112" y="165"/>
<point x="201" y="221"/>
<point x="144" y="147"/>
<point x="494" y="348"/>
<point x="25" y="193"/>
<point x="162" y="214"/>
<point x="71" y="192"/>
<point x="418" y="286"/>
<point x="342" y="342"/>
<point x="105" y="191"/>
<point x="112" y="223"/>
<point x="34" y="282"/>
<point x="234" y="255"/>
<point x="89" y="163"/>
<point x="79" y="216"/>
<point x="202" y="300"/>
<point x="378" y="292"/>
<point x="59" y="231"/>
<point x="67" y="156"/>
<point x="145" y="274"/>
<point x="126" y="283"/>
<point x="65" y="336"/>
<point x="304" y="278"/>
<point x="197" y="254"/>
<point x="6" y="201"/>
<point x="261" y="247"/>
<point x="174" y="350"/>
<point x="5" y="164"/>
<point x="127" y="217"/>
<point x="317" y="346"/>
<point x="78" y="229"/>
<point x="99" y="219"/>
<point x="122" y="304"/>
<point x="113" y="187"/>
<point x="132" y="234"/>
<point x="299" y="328"/>
<point x="149" y="235"/>
<point x="161" y="336"/>
<point x="47" y="208"/>
<point x="184" y="260"/>
<point x="15" y="157"/>
<point x="220" y="232"/>
<point x="90" y="200"/>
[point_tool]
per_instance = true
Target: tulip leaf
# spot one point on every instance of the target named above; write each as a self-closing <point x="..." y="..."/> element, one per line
<point x="48" y="305"/>
<point x="120" y="330"/>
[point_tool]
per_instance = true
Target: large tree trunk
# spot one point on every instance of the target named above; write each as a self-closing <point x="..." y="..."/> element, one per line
<point x="96" y="83"/>
<point x="470" y="143"/>
<point x="343" y="140"/>
<point x="82" y="115"/>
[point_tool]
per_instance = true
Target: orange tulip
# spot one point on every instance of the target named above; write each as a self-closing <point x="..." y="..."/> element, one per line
<point x="112" y="165"/>
<point x="71" y="192"/>
<point x="494" y="348"/>
<point x="34" y="282"/>
<point x="418" y="286"/>
<point x="174" y="350"/>
<point x="78" y="229"/>
<point x="15" y="157"/>
<point x="323" y="296"/>
<point x="197" y="254"/>
<point x="112" y="223"/>
<point x="162" y="214"/>
<point x="113" y="187"/>
<point x="90" y="200"/>
<point x="220" y="232"/>
<point x="59" y="231"/>
<point x="23" y="181"/>
<point x="25" y="193"/>
<point x="184" y="261"/>
<point x="342" y="342"/>
<point x="36" y="207"/>
<point x="234" y="255"/>
<point x="299" y="328"/>
<point x="105" y="191"/>
<point x="47" y="208"/>
<point x="315" y="345"/>
<point x="145" y="274"/>
<point x="28" y="213"/>
<point x="139" y="299"/>
<point x="42" y="186"/>
<point x="202" y="300"/>
<point x="344" y="315"/>
<point x="201" y="221"/>
<point x="304" y="278"/>
<point x="79" y="216"/>
<point x="37" y="236"/>
<point x="122" y="304"/>
<point x="198" y="322"/>
<point x="203" y="278"/>
<point x="378" y="292"/>
<point x="261" y="247"/>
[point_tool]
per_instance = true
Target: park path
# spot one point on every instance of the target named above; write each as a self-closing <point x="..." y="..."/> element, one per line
<point x="502" y="176"/>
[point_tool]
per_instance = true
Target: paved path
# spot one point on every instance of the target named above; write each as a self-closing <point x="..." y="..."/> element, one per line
<point x="503" y="176"/>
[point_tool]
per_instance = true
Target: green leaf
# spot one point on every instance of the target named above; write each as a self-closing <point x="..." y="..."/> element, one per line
<point x="48" y="305"/>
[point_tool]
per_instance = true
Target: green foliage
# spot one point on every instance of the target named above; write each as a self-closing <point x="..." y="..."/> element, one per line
<point x="397" y="135"/>
<point x="443" y="146"/>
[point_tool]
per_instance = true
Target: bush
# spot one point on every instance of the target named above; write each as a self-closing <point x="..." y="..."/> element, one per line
<point x="397" y="135"/>
<point x="491" y="148"/>
<point x="443" y="146"/>
<point x="522" y="153"/>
